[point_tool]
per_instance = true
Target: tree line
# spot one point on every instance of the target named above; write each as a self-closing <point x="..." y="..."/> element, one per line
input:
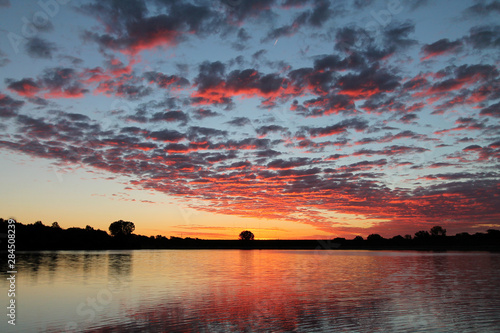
<point x="120" y="235"/>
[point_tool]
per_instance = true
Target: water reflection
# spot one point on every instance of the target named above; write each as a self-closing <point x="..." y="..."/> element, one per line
<point x="255" y="291"/>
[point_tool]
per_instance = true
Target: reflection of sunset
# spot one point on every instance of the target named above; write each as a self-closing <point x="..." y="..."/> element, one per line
<point x="238" y="290"/>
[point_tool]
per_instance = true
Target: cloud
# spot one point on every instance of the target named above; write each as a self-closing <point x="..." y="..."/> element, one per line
<point x="166" y="81"/>
<point x="239" y="121"/>
<point x="338" y="128"/>
<point x="289" y="164"/>
<point x="492" y="111"/>
<point x="165" y="135"/>
<point x="484" y="37"/>
<point x="170" y="116"/>
<point x="24" y="87"/>
<point x="326" y="105"/>
<point x="57" y="82"/>
<point x="130" y="30"/>
<point x="396" y="35"/>
<point x="204" y="113"/>
<point x="40" y="48"/>
<point x="439" y="48"/>
<point x="367" y="83"/>
<point x="408" y="118"/>
<point x="483" y="8"/>
<point x="9" y="106"/>
<point x="265" y="130"/>
<point x="391" y="150"/>
<point x="215" y="87"/>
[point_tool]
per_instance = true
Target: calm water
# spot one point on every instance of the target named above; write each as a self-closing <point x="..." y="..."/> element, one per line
<point x="256" y="291"/>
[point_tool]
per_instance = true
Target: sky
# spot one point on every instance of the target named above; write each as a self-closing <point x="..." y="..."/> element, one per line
<point x="290" y="118"/>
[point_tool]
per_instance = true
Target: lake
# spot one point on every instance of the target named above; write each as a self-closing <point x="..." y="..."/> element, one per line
<point x="255" y="291"/>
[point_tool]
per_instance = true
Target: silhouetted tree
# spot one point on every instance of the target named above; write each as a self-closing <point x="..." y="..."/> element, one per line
<point x="56" y="225"/>
<point x="374" y="238"/>
<point x="121" y="228"/>
<point x="358" y="239"/>
<point x="493" y="233"/>
<point x="246" y="235"/>
<point x="438" y="231"/>
<point x="89" y="228"/>
<point x="408" y="237"/>
<point x="422" y="234"/>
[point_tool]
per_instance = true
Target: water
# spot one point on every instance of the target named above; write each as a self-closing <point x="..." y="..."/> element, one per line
<point x="255" y="291"/>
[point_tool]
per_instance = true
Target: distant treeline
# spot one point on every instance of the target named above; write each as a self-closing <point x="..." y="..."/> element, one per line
<point x="37" y="236"/>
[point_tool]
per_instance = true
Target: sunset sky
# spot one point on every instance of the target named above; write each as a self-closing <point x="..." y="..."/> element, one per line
<point x="290" y="118"/>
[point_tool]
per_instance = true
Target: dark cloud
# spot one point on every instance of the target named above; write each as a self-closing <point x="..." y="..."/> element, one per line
<point x="284" y="31"/>
<point x="295" y="3"/>
<point x="391" y="150"/>
<point x="368" y="82"/>
<point x="360" y="4"/>
<point x="353" y="61"/>
<point x="210" y="75"/>
<point x="9" y="106"/>
<point x="4" y="3"/>
<point x="330" y="104"/>
<point x="396" y="35"/>
<point x="408" y="118"/>
<point x="483" y="37"/>
<point x="320" y="14"/>
<point x="75" y="61"/>
<point x="465" y="74"/>
<point x="171" y="116"/>
<point x="116" y="15"/>
<point x="204" y="113"/>
<point x="415" y="4"/>
<point x="40" y="48"/>
<point x="239" y="121"/>
<point x="492" y="111"/>
<point x="441" y="47"/>
<point x="243" y="9"/>
<point x="257" y="56"/>
<point x="62" y="82"/>
<point x="339" y="128"/>
<point x="202" y="133"/>
<point x="24" y="87"/>
<point x="316" y="17"/>
<point x="289" y="164"/>
<point x="131" y="92"/>
<point x="267" y="153"/>
<point x="166" y="81"/>
<point x="58" y="82"/>
<point x="130" y="31"/>
<point x="264" y="130"/>
<point x="243" y="35"/>
<point x="317" y="81"/>
<point x="350" y="38"/>
<point x="166" y="135"/>
<point x="364" y="165"/>
<point x="75" y="117"/>
<point x="483" y="8"/>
